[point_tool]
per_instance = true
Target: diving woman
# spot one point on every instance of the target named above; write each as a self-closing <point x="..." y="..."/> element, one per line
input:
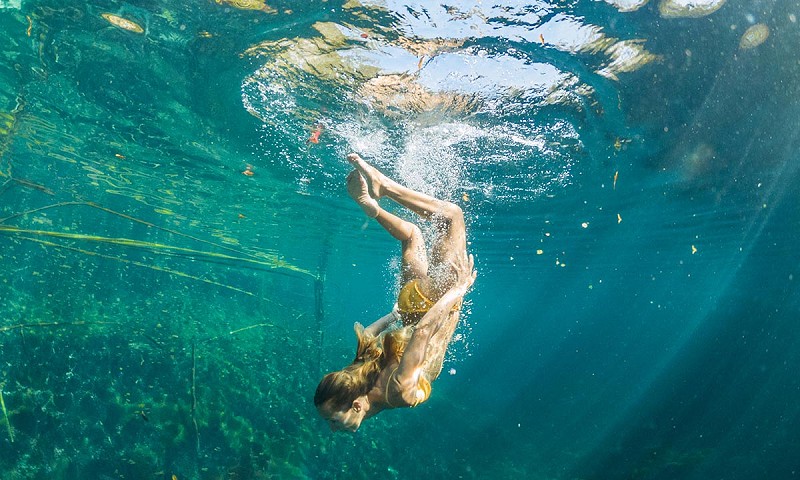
<point x="400" y="354"/>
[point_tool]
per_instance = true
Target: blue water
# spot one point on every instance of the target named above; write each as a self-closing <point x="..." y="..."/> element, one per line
<point x="629" y="174"/>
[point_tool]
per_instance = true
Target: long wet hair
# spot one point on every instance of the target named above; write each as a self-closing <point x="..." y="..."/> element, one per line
<point x="342" y="387"/>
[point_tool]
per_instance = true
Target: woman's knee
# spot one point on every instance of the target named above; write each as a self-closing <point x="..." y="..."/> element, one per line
<point x="415" y="235"/>
<point x="450" y="212"/>
<point x="409" y="233"/>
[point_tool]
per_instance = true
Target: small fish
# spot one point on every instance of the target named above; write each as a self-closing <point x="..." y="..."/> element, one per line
<point x="616" y="175"/>
<point x="314" y="138"/>
<point x="248" y="171"/>
<point x="541" y="39"/>
<point x="419" y="65"/>
<point x="242" y="216"/>
<point x="120" y="156"/>
<point x="30" y="26"/>
<point x="143" y="415"/>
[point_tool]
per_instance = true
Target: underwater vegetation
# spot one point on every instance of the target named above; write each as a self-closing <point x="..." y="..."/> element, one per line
<point x="90" y="388"/>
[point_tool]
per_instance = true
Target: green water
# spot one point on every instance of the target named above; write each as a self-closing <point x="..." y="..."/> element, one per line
<point x="629" y="180"/>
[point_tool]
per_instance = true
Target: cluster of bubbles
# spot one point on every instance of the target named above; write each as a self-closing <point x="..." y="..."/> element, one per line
<point x="432" y="100"/>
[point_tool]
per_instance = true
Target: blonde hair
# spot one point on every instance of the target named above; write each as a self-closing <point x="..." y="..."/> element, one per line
<point x="342" y="387"/>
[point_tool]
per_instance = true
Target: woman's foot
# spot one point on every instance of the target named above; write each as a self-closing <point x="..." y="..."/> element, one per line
<point x="357" y="189"/>
<point x="376" y="181"/>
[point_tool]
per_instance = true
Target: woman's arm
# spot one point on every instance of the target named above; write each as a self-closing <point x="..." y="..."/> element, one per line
<point x="414" y="354"/>
<point x="382" y="323"/>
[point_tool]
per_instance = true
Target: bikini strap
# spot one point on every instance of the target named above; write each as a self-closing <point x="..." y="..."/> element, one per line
<point x="389" y="382"/>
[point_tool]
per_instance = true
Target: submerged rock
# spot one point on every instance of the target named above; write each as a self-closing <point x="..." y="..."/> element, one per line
<point x="689" y="8"/>
<point x="627" y="5"/>
<point x="13" y="4"/>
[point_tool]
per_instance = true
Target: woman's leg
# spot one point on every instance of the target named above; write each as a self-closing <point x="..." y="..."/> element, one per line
<point x="380" y="185"/>
<point x="414" y="257"/>
<point x="448" y="218"/>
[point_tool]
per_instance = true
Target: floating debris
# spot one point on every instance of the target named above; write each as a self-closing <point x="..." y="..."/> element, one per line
<point x="122" y="23"/>
<point x="754" y="36"/>
<point x="314" y="138"/>
<point x="248" y="171"/>
<point x="619" y="218"/>
<point x="614" y="184"/>
<point x="694" y="249"/>
<point x="619" y="143"/>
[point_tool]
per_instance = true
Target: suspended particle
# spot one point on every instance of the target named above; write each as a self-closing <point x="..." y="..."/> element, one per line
<point x="122" y="23"/>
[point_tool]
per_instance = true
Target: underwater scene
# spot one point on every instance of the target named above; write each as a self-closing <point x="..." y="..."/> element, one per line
<point x="180" y="262"/>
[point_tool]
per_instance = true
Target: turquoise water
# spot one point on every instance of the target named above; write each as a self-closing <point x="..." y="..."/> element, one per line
<point x="629" y="173"/>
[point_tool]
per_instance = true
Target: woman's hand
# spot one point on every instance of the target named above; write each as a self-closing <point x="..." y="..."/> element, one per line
<point x="464" y="266"/>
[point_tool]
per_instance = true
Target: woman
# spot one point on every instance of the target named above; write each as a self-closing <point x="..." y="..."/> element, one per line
<point x="394" y="367"/>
